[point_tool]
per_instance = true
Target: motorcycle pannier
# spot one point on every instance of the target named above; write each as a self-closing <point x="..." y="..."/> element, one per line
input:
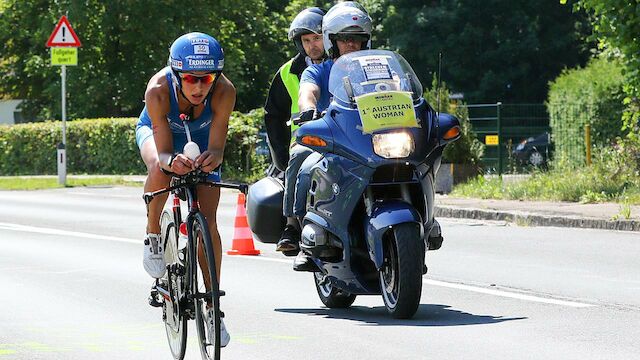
<point x="264" y="210"/>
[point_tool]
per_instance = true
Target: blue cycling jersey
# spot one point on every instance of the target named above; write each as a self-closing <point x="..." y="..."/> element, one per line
<point x="198" y="127"/>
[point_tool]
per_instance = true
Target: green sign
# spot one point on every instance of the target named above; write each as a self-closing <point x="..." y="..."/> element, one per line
<point x="385" y="110"/>
<point x="64" y="56"/>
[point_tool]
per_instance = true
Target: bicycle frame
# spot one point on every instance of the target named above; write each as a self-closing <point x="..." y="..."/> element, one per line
<point x="180" y="290"/>
<point x="188" y="183"/>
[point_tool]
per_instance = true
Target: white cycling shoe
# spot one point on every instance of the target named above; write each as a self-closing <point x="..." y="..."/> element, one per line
<point x="153" y="257"/>
<point x="224" y="335"/>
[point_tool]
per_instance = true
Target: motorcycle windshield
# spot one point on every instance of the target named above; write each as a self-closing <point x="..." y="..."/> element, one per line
<point x="369" y="71"/>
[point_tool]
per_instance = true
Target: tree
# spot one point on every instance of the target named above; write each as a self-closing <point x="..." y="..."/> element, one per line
<point x="616" y="24"/>
<point x="124" y="43"/>
<point x="493" y="50"/>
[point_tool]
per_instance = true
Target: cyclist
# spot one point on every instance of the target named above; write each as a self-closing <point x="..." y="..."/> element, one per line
<point x="282" y="106"/>
<point x="192" y="84"/>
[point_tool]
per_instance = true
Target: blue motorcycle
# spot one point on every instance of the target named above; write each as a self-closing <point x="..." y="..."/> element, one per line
<point x="366" y="209"/>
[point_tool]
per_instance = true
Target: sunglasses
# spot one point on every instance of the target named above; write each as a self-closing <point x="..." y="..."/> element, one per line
<point x="194" y="79"/>
<point x="351" y="37"/>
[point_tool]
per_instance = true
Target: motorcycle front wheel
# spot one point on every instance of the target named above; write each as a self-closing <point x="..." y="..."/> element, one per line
<point x="401" y="271"/>
<point x="330" y="296"/>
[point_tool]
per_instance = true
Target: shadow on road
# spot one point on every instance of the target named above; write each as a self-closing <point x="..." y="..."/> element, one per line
<point x="427" y="315"/>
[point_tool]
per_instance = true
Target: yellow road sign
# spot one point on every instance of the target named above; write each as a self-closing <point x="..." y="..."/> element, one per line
<point x="491" y="140"/>
<point x="64" y="56"/>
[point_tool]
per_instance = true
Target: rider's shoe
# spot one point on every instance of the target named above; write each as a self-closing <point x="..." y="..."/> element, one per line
<point x="435" y="236"/>
<point x="303" y="262"/>
<point x="224" y="335"/>
<point x="153" y="257"/>
<point x="289" y="240"/>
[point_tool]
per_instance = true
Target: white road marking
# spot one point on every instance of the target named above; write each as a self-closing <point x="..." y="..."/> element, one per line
<point x="501" y="293"/>
<point x="106" y="195"/>
<point x="50" y="231"/>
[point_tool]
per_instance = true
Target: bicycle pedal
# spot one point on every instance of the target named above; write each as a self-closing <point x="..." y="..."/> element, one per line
<point x="221" y="314"/>
<point x="221" y="293"/>
<point x="153" y="301"/>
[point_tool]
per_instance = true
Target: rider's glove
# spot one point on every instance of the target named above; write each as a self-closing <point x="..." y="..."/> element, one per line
<point x="308" y="115"/>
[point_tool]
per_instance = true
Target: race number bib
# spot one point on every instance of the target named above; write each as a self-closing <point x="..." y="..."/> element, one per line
<point x="384" y="110"/>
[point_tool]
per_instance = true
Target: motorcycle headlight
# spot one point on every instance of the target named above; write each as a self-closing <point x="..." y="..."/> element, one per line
<point x="393" y="145"/>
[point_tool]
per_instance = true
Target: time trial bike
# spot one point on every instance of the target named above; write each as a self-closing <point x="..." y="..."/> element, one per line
<point x="189" y="288"/>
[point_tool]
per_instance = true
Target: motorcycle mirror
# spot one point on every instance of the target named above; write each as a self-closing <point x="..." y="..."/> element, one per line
<point x="348" y="88"/>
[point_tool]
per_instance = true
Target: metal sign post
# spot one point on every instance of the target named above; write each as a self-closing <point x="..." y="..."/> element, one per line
<point x="62" y="151"/>
<point x="64" y="45"/>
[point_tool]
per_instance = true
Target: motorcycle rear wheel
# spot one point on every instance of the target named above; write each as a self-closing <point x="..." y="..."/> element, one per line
<point x="330" y="296"/>
<point x="401" y="272"/>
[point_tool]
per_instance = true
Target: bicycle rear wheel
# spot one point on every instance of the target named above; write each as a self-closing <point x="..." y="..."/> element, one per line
<point x="205" y="289"/>
<point x="175" y="320"/>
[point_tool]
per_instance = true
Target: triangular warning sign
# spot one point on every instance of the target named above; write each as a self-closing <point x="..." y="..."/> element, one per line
<point x="63" y="35"/>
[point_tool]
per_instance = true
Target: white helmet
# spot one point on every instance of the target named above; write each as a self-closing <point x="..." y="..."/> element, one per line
<point x="345" y="18"/>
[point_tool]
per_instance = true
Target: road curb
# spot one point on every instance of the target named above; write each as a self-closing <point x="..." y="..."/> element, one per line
<point x="531" y="219"/>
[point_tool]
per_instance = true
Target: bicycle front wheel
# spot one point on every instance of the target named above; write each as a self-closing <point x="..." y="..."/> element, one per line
<point x="205" y="290"/>
<point x="175" y="320"/>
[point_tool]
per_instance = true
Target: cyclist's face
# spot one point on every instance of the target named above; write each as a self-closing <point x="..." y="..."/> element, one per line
<point x="312" y="44"/>
<point x="196" y="85"/>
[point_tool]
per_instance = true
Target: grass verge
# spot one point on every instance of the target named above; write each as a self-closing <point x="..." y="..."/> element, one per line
<point x="560" y="185"/>
<point x="51" y="182"/>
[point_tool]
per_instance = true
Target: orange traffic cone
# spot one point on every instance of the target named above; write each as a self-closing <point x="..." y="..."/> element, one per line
<point x="242" y="237"/>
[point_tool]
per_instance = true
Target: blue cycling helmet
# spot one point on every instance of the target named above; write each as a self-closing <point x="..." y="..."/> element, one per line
<point x="195" y="52"/>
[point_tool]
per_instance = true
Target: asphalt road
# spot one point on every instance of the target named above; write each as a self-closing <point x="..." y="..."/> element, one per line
<point x="72" y="287"/>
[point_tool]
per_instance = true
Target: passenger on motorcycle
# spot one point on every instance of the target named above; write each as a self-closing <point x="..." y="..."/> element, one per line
<point x="192" y="84"/>
<point x="345" y="28"/>
<point x="282" y="106"/>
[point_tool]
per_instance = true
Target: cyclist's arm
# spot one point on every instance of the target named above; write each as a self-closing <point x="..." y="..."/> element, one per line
<point x="157" y="101"/>
<point x="222" y="102"/>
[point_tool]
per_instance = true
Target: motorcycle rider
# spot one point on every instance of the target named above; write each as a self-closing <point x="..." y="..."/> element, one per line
<point x="345" y="28"/>
<point x="282" y="106"/>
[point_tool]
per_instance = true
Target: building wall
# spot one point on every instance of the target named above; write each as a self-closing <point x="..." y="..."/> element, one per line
<point x="8" y="110"/>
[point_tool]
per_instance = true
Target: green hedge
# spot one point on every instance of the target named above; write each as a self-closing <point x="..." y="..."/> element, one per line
<point x="107" y="146"/>
<point x="591" y="95"/>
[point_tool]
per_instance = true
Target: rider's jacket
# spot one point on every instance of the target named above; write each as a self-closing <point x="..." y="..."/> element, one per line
<point x="197" y="126"/>
<point x="281" y="106"/>
<point x="319" y="74"/>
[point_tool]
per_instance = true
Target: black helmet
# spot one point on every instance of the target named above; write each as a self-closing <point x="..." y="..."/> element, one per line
<point x="308" y="21"/>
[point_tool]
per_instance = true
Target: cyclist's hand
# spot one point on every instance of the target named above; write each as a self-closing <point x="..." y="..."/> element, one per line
<point x="208" y="160"/>
<point x="182" y="165"/>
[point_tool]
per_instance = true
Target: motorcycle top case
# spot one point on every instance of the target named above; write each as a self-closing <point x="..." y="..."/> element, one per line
<point x="264" y="210"/>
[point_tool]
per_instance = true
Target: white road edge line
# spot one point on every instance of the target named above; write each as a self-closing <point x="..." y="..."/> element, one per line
<point x="477" y="289"/>
<point x="501" y="293"/>
<point x="507" y="294"/>
<point x="50" y="231"/>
